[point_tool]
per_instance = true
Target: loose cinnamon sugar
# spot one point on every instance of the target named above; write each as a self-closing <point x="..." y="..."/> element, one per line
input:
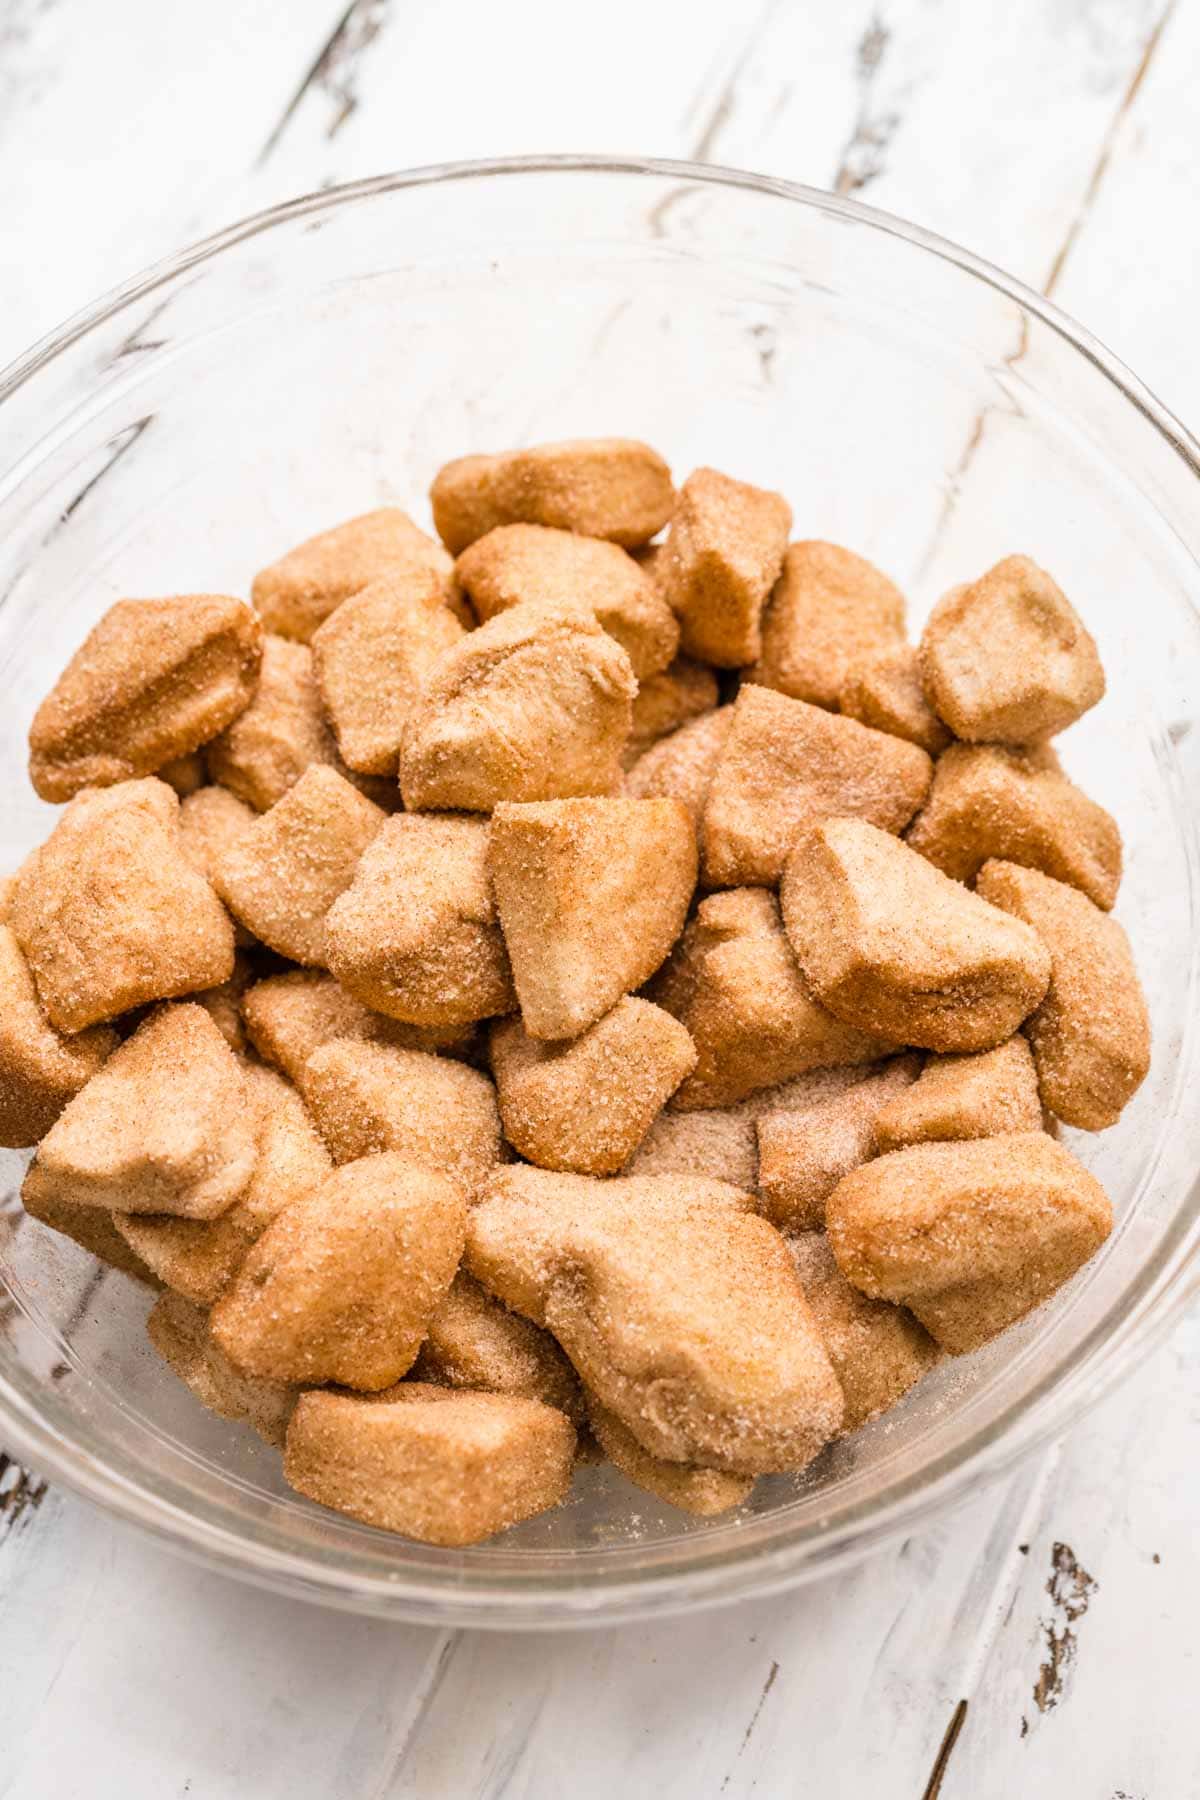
<point x="666" y="702"/>
<point x="885" y="691"/>
<point x="612" y="488"/>
<point x="702" y="1492"/>
<point x="803" y="1155"/>
<point x="979" y="1096"/>
<point x="680" y="767"/>
<point x="828" y="612"/>
<point x="296" y="594"/>
<point x="723" y="554"/>
<point x="179" y="1331"/>
<point x="474" y="1341"/>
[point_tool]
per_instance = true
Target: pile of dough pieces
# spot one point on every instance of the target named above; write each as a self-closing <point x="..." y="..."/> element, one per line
<point x="586" y="985"/>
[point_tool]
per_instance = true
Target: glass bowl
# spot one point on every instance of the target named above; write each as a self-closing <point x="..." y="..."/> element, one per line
<point x="915" y="404"/>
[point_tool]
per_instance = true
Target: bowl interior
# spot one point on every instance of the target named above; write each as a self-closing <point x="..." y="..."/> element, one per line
<point x="909" y="407"/>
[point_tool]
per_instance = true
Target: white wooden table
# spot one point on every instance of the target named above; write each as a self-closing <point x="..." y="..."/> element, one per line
<point x="1051" y="1622"/>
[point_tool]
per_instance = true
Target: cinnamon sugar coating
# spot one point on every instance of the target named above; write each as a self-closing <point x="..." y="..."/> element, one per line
<point x="1016" y="806"/>
<point x="442" y="1467"/>
<point x="1091" y="1034"/>
<point x="786" y="763"/>
<point x="1007" y="659"/>
<point x="615" y="488"/>
<point x="184" y="773"/>
<point x="297" y="593"/>
<point x="591" y="895"/>
<point x="88" y="1226"/>
<point x="342" y="1284"/>
<point x="179" y="1331"/>
<point x="890" y="944"/>
<point x="40" y="1068"/>
<point x="723" y="555"/>
<point x="971" y="1236"/>
<point x="535" y="705"/>
<point x="886" y="692"/>
<point x="702" y="1492"/>
<point x="111" y="914"/>
<point x="150" y="683"/>
<point x="586" y="1104"/>
<point x="287" y="1017"/>
<point x="475" y="1341"/>
<point x="681" y="766"/>
<point x="980" y="1096"/>
<point x="536" y="565"/>
<point x="829" y="610"/>
<point x="803" y="1155"/>
<point x="665" y="702"/>
<point x="415" y="935"/>
<point x="210" y="820"/>
<point x="279" y="735"/>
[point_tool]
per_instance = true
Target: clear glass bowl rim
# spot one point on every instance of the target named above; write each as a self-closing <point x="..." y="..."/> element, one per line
<point x="1106" y="1356"/>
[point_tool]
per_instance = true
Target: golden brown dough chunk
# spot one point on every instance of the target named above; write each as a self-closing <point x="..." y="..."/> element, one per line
<point x="829" y="610"/>
<point x="166" y="1126"/>
<point x="341" y="1286"/>
<point x="184" y="773"/>
<point x="586" y="1104"/>
<point x="415" y="934"/>
<point x="371" y="657"/>
<point x="476" y="1342"/>
<point x="535" y="565"/>
<point x="890" y="944"/>
<point x="210" y="820"/>
<point x="971" y="1236"/>
<point x="1006" y="659"/>
<point x="151" y="682"/>
<point x="681" y="1311"/>
<point x="979" y="1096"/>
<point x="295" y="594"/>
<point x="591" y="896"/>
<point x="786" y="763"/>
<point x="535" y="705"/>
<point x="179" y="1331"/>
<point x="372" y="1097"/>
<point x="613" y="488"/>
<point x="200" y="1257"/>
<point x="803" y="1155"/>
<point x="289" y="1016"/>
<point x="681" y="766"/>
<point x="282" y="875"/>
<point x="1017" y="806"/>
<point x="878" y="1351"/>
<point x="279" y="735"/>
<point x="885" y="691"/>
<point x="442" y="1467"/>
<point x="702" y="1492"/>
<point x="1091" y="1034"/>
<point x="111" y="914"/>
<point x="40" y="1069"/>
<point x="666" y="702"/>
<point x="723" y="555"/>
<point x="89" y="1227"/>
<point x="717" y="1143"/>
<point x="735" y="984"/>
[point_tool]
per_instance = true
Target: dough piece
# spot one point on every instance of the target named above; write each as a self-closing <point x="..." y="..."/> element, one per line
<point x="535" y="705"/>
<point x="415" y="934"/>
<point x="280" y="734"/>
<point x="988" y="802"/>
<point x="210" y="820"/>
<point x="151" y="682"/>
<point x="1007" y="659"/>
<point x="971" y="1236"/>
<point x="591" y="896"/>
<point x="166" y="1126"/>
<point x="1091" y="1034"/>
<point x="289" y="1016"/>
<point x="803" y="1155"/>
<point x="985" y="1095"/>
<point x="297" y="593"/>
<point x="442" y="1467"/>
<point x="40" y="1069"/>
<point x="613" y="488"/>
<point x="476" y="1342"/>
<point x="885" y="691"/>
<point x="717" y="1143"/>
<point x="668" y="701"/>
<point x="724" y="553"/>
<point x="341" y="1286"/>
<point x="586" y="1104"/>
<point x="281" y="876"/>
<point x="184" y="773"/>
<point x="829" y="610"/>
<point x="890" y="944"/>
<point x="701" y="1492"/>
<point x="89" y="1227"/>
<point x="681" y="766"/>
<point x="179" y="1331"/>
<point x="786" y="763"/>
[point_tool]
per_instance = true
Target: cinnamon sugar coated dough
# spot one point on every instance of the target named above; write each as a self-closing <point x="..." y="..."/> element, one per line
<point x="586" y="1104"/>
<point x="886" y="692"/>
<point x="723" y="555"/>
<point x="1091" y="1034"/>
<point x="536" y="565"/>
<point x="970" y="1236"/>
<point x="40" y="1068"/>
<point x="474" y="1341"/>
<point x="612" y="488"/>
<point x="91" y="1228"/>
<point x="297" y="594"/>
<point x="890" y="944"/>
<point x="415" y="935"/>
<point x="591" y="896"/>
<point x="786" y="763"/>
<point x="184" y="773"/>
<point x="665" y="702"/>
<point x="829" y="610"/>
<point x="282" y="731"/>
<point x="1007" y="659"/>
<point x="980" y="1096"/>
<point x="681" y="766"/>
<point x="152" y="681"/>
<point x="341" y="1286"/>
<point x="289" y="1016"/>
<point x="1016" y="806"/>
<point x="211" y="819"/>
<point x="702" y="1492"/>
<point x="179" y="1331"/>
<point x="803" y="1155"/>
<point x="111" y="914"/>
<point x="535" y="705"/>
<point x="443" y="1467"/>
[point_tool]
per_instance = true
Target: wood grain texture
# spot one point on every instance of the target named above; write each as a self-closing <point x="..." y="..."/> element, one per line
<point x="1058" y="137"/>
